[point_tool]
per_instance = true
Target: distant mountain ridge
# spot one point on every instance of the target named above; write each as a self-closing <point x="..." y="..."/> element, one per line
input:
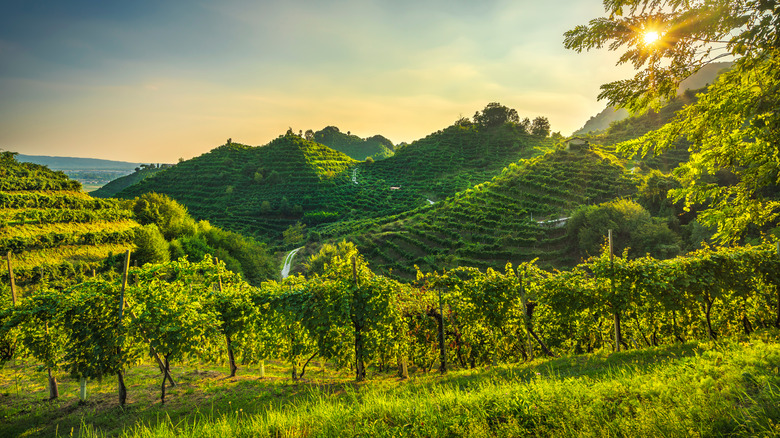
<point x="76" y="163"/>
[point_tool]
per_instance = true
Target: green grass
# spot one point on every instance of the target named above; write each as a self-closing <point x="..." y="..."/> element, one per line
<point x="710" y="389"/>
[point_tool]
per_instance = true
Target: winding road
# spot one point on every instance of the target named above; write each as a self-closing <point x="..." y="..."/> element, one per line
<point x="288" y="262"/>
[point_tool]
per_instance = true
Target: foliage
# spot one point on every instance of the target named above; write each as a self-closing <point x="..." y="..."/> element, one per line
<point x="494" y="115"/>
<point x="734" y="127"/>
<point x="633" y="230"/>
<point x="169" y="216"/>
<point x="151" y="246"/>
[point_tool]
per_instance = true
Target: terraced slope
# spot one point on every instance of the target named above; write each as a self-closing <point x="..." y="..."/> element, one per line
<point x="511" y="218"/>
<point x="456" y="158"/>
<point x="52" y="228"/>
<point x="262" y="191"/>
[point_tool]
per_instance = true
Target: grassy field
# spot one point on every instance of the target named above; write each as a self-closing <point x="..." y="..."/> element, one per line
<point x="730" y="388"/>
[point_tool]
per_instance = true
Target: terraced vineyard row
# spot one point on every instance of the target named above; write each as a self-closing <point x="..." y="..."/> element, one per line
<point x="497" y="222"/>
<point x="275" y="186"/>
<point x="57" y="231"/>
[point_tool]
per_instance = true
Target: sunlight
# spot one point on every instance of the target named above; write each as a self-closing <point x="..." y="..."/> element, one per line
<point x="651" y="37"/>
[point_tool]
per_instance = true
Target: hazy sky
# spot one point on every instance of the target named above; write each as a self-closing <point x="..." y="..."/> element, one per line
<point x="153" y="81"/>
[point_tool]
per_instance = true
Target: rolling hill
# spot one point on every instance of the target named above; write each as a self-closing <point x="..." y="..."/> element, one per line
<point x="262" y="191"/>
<point x="515" y="217"/>
<point x="52" y="228"/>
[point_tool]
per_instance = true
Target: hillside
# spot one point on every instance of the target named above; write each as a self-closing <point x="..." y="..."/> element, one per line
<point x="455" y="158"/>
<point x="92" y="173"/>
<point x="377" y="147"/>
<point x="117" y="185"/>
<point x="511" y="218"/>
<point x="638" y="125"/>
<point x="262" y="191"/>
<point x="602" y="120"/>
<point x="698" y="81"/>
<point x="54" y="229"/>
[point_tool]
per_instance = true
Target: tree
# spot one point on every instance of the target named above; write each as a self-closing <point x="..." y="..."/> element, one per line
<point x="265" y="207"/>
<point x="526" y="125"/>
<point x="540" y="127"/>
<point x="309" y="135"/>
<point x="495" y="114"/>
<point x="170" y="217"/>
<point x="294" y="234"/>
<point x="151" y="245"/>
<point x="735" y="126"/>
<point x="633" y="229"/>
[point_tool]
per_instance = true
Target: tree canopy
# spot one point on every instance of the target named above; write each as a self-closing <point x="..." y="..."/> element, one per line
<point x="495" y="114"/>
<point x="734" y="127"/>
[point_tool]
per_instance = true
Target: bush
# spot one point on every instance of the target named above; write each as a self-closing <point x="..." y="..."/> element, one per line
<point x="151" y="246"/>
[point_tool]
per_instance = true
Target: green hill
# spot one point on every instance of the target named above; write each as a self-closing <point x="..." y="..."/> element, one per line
<point x="376" y="147"/>
<point x="262" y="191"/>
<point x="121" y="183"/>
<point x="455" y="158"/>
<point x="52" y="228"/>
<point x="638" y="125"/>
<point x="512" y="218"/>
<point x="698" y="81"/>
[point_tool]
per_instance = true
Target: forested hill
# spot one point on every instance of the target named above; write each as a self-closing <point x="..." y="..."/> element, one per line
<point x="377" y="147"/>
<point x="511" y="218"/>
<point x="263" y="191"/>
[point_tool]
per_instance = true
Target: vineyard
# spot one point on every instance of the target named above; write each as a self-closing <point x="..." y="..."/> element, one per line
<point x="349" y="317"/>
<point x="262" y="191"/>
<point x="500" y="221"/>
<point x="53" y="229"/>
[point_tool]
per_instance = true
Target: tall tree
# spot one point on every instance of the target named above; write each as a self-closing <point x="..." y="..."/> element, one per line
<point x="734" y="127"/>
<point x="495" y="114"/>
<point x="540" y="127"/>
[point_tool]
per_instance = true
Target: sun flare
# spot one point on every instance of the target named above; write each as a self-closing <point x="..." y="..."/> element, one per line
<point x="651" y="37"/>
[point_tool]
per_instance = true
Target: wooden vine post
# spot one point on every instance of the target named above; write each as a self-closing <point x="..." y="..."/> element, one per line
<point x="526" y="315"/>
<point x="122" y="389"/>
<point x="54" y="391"/>
<point x="11" y="276"/>
<point x="442" y="346"/>
<point x="615" y="309"/>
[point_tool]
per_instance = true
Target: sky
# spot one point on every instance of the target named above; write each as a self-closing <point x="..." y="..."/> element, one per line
<point x="157" y="81"/>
